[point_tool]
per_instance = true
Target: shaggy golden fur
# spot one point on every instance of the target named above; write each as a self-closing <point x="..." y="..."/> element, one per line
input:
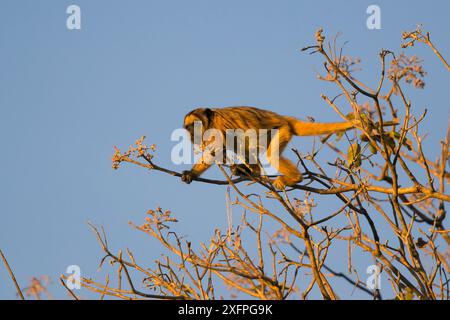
<point x="253" y="118"/>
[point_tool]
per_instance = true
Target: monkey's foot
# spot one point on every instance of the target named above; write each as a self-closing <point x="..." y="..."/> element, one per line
<point x="244" y="170"/>
<point x="281" y="182"/>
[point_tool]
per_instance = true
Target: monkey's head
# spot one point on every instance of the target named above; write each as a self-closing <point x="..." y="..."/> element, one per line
<point x="203" y="115"/>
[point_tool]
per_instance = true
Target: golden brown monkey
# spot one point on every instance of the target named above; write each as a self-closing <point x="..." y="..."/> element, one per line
<point x="245" y="118"/>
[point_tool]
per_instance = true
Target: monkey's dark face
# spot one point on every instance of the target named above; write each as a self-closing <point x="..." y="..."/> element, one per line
<point x="201" y="115"/>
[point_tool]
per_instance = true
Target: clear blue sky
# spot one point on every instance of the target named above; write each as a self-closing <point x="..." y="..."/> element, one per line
<point x="135" y="68"/>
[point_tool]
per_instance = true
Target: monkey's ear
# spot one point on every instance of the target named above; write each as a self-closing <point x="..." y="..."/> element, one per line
<point x="209" y="113"/>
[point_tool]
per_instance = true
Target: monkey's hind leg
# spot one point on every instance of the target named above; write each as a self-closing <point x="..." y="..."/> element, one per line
<point x="290" y="174"/>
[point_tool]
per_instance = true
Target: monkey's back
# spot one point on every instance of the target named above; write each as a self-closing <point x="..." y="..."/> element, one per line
<point x="246" y="118"/>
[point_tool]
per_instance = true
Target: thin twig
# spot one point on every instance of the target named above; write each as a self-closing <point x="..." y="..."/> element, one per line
<point x="12" y="276"/>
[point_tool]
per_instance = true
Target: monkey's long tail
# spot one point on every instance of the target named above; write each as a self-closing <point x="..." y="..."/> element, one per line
<point x="303" y="128"/>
